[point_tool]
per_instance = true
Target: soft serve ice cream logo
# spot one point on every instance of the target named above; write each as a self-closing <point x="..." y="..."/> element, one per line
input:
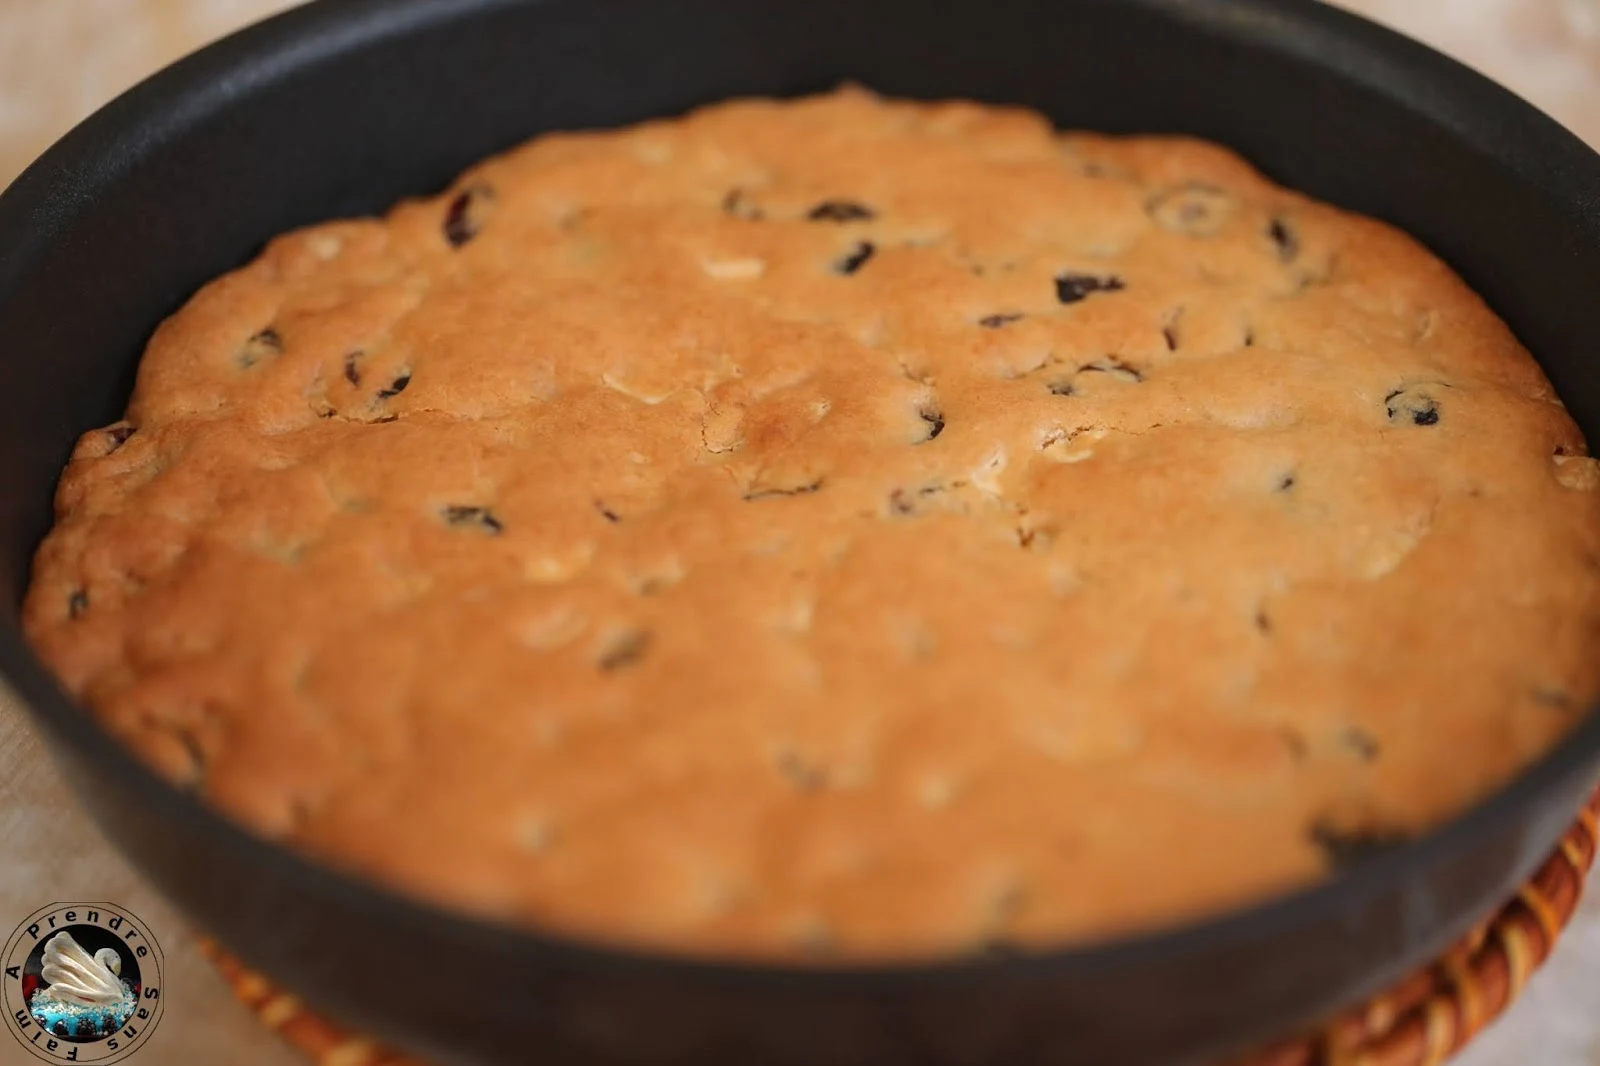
<point x="82" y="983"/>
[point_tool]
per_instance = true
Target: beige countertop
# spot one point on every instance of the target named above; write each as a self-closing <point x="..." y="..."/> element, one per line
<point x="61" y="58"/>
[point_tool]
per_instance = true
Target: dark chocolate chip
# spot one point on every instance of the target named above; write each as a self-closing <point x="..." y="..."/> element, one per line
<point x="352" y="371"/>
<point x="1008" y="902"/>
<point x="77" y="603"/>
<point x="1063" y="387"/>
<point x="1345" y="847"/>
<point x="262" y="345"/>
<point x="1360" y="743"/>
<point x="1557" y="698"/>
<point x="802" y="775"/>
<point x="999" y="947"/>
<point x="118" y="434"/>
<point x="739" y="206"/>
<point x="1283" y="239"/>
<point x="1249" y="338"/>
<point x="799" y="490"/>
<point x="816" y="941"/>
<point x="1286" y="483"/>
<point x="901" y="501"/>
<point x="624" y="649"/>
<point x="1070" y="288"/>
<point x="1411" y="405"/>
<point x="935" y="422"/>
<point x="857" y="257"/>
<point x="607" y="513"/>
<point x="482" y="517"/>
<point x="841" y="211"/>
<point x="463" y="220"/>
<point x="996" y="321"/>
<point x="1170" y="335"/>
<point x="1113" y="367"/>
<point x="396" y="387"/>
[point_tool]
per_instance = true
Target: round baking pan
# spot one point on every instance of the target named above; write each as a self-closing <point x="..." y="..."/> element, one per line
<point x="344" y="106"/>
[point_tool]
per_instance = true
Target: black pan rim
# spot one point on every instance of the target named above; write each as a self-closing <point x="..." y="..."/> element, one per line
<point x="1405" y="72"/>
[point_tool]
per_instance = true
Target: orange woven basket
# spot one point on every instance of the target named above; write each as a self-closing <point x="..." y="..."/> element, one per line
<point x="1422" y="1021"/>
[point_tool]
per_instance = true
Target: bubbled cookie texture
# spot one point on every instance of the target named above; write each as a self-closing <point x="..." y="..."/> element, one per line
<point x="844" y="527"/>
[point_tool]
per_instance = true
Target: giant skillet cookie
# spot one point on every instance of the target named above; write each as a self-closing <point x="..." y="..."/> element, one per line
<point x="839" y="526"/>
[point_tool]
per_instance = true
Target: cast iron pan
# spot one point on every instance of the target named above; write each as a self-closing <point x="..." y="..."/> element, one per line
<point x="347" y="105"/>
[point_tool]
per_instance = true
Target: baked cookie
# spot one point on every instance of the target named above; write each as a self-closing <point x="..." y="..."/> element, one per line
<point x="841" y="525"/>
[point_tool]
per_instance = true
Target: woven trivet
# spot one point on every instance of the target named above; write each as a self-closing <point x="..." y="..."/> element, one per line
<point x="1420" y="1022"/>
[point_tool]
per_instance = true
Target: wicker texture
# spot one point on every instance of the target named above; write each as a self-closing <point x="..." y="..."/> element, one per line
<point x="1420" y="1022"/>
<point x="1434" y="1013"/>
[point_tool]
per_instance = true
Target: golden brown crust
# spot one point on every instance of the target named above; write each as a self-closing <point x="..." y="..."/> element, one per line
<point x="840" y="523"/>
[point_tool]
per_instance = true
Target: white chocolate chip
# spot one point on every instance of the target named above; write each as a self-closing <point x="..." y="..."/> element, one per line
<point x="985" y="477"/>
<point x="324" y="246"/>
<point x="936" y="791"/>
<point x="1580" y="472"/>
<point x="734" y="269"/>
